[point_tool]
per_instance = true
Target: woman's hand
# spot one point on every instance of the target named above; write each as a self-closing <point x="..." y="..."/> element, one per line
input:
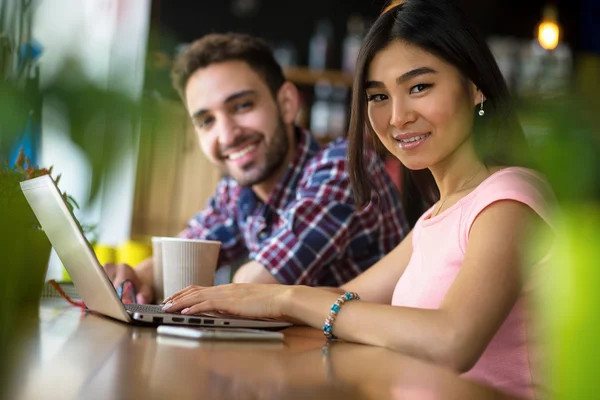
<point x="245" y="299"/>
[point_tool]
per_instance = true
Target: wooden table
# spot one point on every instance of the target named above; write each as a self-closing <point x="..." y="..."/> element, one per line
<point x="72" y="354"/>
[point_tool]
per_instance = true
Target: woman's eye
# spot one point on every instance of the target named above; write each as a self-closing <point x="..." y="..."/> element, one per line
<point x="376" y="97"/>
<point x="419" y="88"/>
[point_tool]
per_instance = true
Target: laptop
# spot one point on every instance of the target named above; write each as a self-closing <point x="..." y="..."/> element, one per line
<point x="89" y="278"/>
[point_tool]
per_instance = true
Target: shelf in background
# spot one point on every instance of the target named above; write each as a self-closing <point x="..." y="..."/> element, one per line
<point x="305" y="76"/>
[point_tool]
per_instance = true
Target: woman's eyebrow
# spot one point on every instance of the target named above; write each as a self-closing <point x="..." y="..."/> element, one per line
<point x="403" y="78"/>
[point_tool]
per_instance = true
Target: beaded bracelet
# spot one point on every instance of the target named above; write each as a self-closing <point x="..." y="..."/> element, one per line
<point x="335" y="309"/>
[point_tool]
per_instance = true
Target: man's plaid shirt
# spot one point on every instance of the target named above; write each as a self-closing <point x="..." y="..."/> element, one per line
<point x="308" y="231"/>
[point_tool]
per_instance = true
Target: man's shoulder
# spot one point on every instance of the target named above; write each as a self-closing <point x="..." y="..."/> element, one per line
<point x="336" y="149"/>
<point x="333" y="153"/>
<point x="327" y="166"/>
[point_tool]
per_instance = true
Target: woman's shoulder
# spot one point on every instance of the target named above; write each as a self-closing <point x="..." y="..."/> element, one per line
<point x="522" y="185"/>
<point x="519" y="184"/>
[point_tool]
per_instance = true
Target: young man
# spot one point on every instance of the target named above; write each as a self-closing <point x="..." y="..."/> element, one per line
<point x="285" y="204"/>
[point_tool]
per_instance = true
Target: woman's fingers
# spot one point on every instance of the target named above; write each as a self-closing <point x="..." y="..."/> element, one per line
<point x="181" y="293"/>
<point x="240" y="299"/>
<point x="169" y="302"/>
<point x="199" y="295"/>
<point x="192" y="296"/>
<point x="210" y="305"/>
<point x="186" y="301"/>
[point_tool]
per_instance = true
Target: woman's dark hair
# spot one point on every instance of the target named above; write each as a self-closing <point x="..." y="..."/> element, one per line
<point x="222" y="47"/>
<point x="440" y="28"/>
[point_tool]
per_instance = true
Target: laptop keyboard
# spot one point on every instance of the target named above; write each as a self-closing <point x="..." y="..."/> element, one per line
<point x="144" y="308"/>
<point x="156" y="309"/>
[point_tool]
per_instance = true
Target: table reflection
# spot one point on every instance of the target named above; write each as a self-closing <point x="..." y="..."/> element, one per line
<point x="95" y="357"/>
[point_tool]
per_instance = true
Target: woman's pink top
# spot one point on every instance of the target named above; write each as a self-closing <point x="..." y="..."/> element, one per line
<point x="439" y="245"/>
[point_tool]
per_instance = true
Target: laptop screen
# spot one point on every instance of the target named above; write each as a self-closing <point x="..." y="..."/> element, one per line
<point x="72" y="247"/>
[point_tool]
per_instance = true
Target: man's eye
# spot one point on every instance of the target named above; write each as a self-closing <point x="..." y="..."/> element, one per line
<point x="243" y="106"/>
<point x="376" y="97"/>
<point x="420" y="87"/>
<point x="203" y="122"/>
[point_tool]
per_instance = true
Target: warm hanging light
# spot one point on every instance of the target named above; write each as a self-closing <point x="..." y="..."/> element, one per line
<point x="548" y="30"/>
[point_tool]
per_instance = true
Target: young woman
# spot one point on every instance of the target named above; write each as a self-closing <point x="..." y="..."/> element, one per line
<point x="454" y="291"/>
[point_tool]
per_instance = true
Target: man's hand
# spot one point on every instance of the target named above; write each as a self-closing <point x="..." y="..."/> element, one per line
<point x="118" y="273"/>
<point x="253" y="272"/>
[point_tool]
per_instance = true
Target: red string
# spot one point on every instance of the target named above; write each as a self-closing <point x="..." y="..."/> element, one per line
<point x="56" y="286"/>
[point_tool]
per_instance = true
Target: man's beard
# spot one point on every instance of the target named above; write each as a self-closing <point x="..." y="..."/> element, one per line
<point x="275" y="155"/>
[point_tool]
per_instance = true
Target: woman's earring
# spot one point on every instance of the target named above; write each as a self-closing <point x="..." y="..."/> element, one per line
<point x="481" y="112"/>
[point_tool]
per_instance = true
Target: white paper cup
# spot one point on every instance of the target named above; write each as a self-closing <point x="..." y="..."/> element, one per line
<point x="157" y="266"/>
<point x="188" y="262"/>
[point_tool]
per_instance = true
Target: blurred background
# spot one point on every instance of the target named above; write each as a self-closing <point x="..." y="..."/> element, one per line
<point x="105" y="115"/>
<point x="85" y="88"/>
<point x="129" y="163"/>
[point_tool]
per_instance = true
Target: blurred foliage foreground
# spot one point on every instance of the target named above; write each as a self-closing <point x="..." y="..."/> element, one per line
<point x="570" y="157"/>
<point x="102" y="124"/>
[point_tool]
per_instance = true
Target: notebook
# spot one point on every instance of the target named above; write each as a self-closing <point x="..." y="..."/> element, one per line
<point x="89" y="278"/>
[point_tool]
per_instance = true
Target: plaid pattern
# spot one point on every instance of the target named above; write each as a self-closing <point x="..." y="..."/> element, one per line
<point x="308" y="231"/>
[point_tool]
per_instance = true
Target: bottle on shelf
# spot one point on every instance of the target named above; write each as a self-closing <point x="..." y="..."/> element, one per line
<point x="320" y="111"/>
<point x="338" y="112"/>
<point x="320" y="46"/>
<point x="351" y="44"/>
<point x="286" y="55"/>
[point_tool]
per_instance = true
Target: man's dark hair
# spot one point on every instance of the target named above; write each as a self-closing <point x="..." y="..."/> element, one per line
<point x="217" y="48"/>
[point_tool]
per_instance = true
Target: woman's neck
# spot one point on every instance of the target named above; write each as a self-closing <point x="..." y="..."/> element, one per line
<point x="459" y="171"/>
